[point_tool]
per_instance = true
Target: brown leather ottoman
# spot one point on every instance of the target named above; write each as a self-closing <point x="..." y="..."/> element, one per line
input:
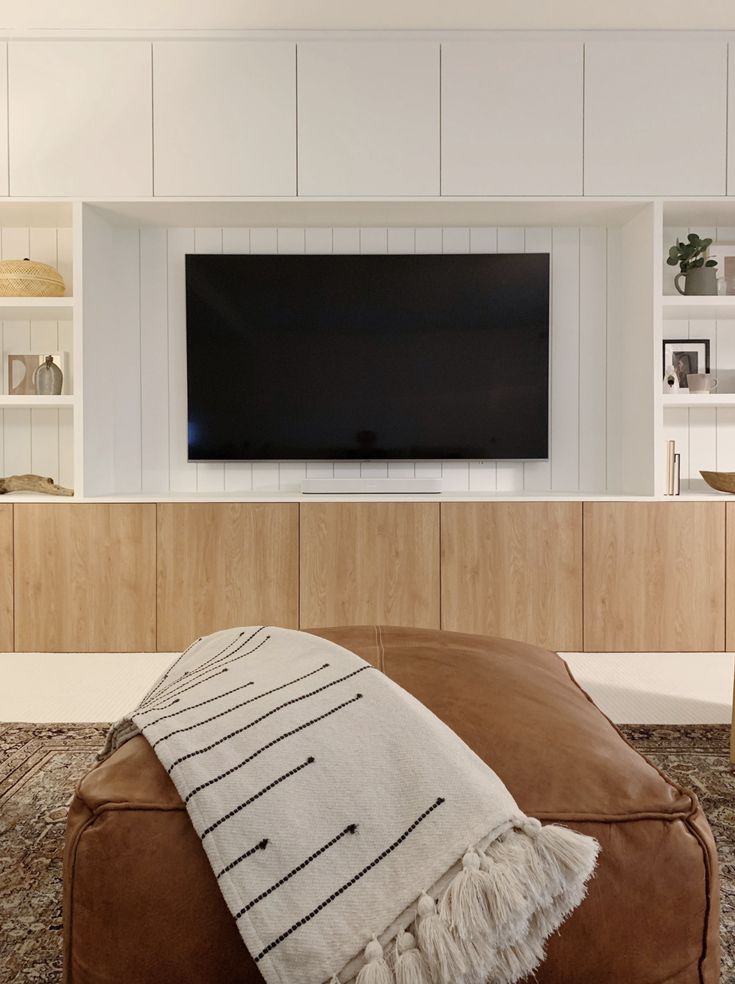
<point x="141" y="904"/>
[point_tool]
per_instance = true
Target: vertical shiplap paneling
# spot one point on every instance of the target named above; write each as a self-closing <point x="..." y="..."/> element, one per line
<point x="154" y="381"/>
<point x="183" y="473"/>
<point x="238" y="474"/>
<point x="537" y="474"/>
<point x="613" y="376"/>
<point x="210" y="474"/>
<point x="509" y="474"/>
<point x="573" y="301"/>
<point x="592" y="359"/>
<point x="565" y="359"/>
<point x="123" y="364"/>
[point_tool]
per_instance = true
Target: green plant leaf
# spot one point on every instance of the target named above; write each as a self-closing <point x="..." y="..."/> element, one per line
<point x="711" y="263"/>
<point x="693" y="238"/>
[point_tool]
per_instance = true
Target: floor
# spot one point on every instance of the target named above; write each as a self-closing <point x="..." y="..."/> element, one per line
<point x="631" y="688"/>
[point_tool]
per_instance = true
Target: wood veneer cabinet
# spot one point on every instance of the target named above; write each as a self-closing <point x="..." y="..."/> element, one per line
<point x="7" y="641"/>
<point x="514" y="569"/>
<point x="730" y="584"/>
<point x="85" y="577"/>
<point x="225" y="564"/>
<point x="654" y="576"/>
<point x="370" y="562"/>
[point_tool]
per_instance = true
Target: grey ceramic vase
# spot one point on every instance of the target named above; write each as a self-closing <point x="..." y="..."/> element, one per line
<point x="701" y="281"/>
<point x="48" y="378"/>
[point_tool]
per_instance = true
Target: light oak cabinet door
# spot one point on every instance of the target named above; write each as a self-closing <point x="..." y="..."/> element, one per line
<point x="7" y="642"/>
<point x="364" y="563"/>
<point x="225" y="564"/>
<point x="80" y="118"/>
<point x="368" y="118"/>
<point x="645" y="133"/>
<point x="85" y="577"/>
<point x="224" y="117"/>
<point x="654" y="576"/>
<point x="514" y="570"/>
<point x="512" y="117"/>
<point x="730" y="582"/>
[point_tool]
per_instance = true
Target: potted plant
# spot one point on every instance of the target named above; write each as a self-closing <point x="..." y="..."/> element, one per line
<point x="698" y="273"/>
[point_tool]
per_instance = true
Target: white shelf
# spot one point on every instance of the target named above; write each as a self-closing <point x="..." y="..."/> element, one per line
<point x="41" y="308"/>
<point x="25" y="402"/>
<point x="688" y="308"/>
<point x="698" y="401"/>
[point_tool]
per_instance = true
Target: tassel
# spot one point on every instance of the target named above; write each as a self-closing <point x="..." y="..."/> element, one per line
<point x="410" y="966"/>
<point x="464" y="905"/>
<point x="334" y="980"/>
<point x="574" y="853"/>
<point x="376" y="970"/>
<point x="518" y="961"/>
<point x="507" y="901"/>
<point x="444" y="957"/>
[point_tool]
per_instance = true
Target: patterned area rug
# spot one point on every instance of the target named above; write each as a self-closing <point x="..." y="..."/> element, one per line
<point x="39" y="765"/>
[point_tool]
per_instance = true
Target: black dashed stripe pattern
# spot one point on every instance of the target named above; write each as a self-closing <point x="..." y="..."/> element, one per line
<point x="263" y="717"/>
<point x="351" y="829"/>
<point x="288" y="734"/>
<point x="199" y="669"/>
<point x="256" y="796"/>
<point x="192" y="707"/>
<point x="235" y="707"/>
<point x="261" y="846"/>
<point x="355" y="878"/>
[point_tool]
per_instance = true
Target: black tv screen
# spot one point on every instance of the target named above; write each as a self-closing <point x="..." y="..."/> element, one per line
<point x="294" y="357"/>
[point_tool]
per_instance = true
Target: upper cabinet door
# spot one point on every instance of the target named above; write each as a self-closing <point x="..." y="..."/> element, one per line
<point x="224" y="118"/>
<point x="368" y="118"/>
<point x="655" y="117"/>
<point x="80" y="118"/>
<point x="512" y="118"/>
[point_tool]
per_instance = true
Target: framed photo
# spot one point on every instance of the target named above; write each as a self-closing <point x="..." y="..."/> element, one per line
<point x="20" y="368"/>
<point x="724" y="253"/>
<point x="686" y="355"/>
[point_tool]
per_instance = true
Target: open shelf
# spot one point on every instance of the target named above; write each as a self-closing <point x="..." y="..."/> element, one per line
<point x="689" y="308"/>
<point x="698" y="400"/>
<point x="31" y="402"/>
<point x="41" y="308"/>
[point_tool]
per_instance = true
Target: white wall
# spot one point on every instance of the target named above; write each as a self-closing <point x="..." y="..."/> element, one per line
<point x="378" y="14"/>
<point x="145" y="331"/>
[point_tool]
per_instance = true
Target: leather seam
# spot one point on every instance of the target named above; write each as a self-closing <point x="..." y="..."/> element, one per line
<point x="686" y="818"/>
<point x="69" y="930"/>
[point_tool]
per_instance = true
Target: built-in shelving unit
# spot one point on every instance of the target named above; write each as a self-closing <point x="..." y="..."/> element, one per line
<point x="696" y="308"/>
<point x="37" y="308"/>
<point x="704" y="401"/>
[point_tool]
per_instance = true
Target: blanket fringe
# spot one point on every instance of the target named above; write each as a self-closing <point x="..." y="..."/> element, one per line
<point x="437" y="944"/>
<point x="410" y="965"/>
<point x="376" y="970"/>
<point x="496" y="913"/>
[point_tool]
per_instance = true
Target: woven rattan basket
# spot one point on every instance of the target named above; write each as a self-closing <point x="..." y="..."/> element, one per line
<point x="26" y="278"/>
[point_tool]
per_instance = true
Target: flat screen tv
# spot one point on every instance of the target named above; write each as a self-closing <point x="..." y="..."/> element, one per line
<point x="371" y="356"/>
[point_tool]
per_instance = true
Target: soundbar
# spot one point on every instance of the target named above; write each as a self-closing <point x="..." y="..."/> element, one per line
<point x="371" y="486"/>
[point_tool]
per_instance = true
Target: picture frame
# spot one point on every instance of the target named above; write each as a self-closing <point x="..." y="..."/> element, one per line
<point x="686" y="355"/>
<point x="19" y="367"/>
<point x="724" y="253"/>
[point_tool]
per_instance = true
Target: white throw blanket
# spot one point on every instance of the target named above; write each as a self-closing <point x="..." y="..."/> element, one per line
<point x="352" y="832"/>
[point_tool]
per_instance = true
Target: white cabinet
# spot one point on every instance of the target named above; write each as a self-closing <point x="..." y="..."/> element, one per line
<point x="655" y="117"/>
<point x="4" y="119"/>
<point x="224" y="118"/>
<point x="512" y="117"/>
<point x="731" y="124"/>
<point x="80" y="118"/>
<point x="368" y="118"/>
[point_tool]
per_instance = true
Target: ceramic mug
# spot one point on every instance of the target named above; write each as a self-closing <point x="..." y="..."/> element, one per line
<point x="701" y="382"/>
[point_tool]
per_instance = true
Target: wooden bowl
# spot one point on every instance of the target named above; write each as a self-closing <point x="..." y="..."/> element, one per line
<point x="721" y="481"/>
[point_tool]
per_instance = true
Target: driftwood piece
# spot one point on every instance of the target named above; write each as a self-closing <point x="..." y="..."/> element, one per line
<point x="32" y="483"/>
